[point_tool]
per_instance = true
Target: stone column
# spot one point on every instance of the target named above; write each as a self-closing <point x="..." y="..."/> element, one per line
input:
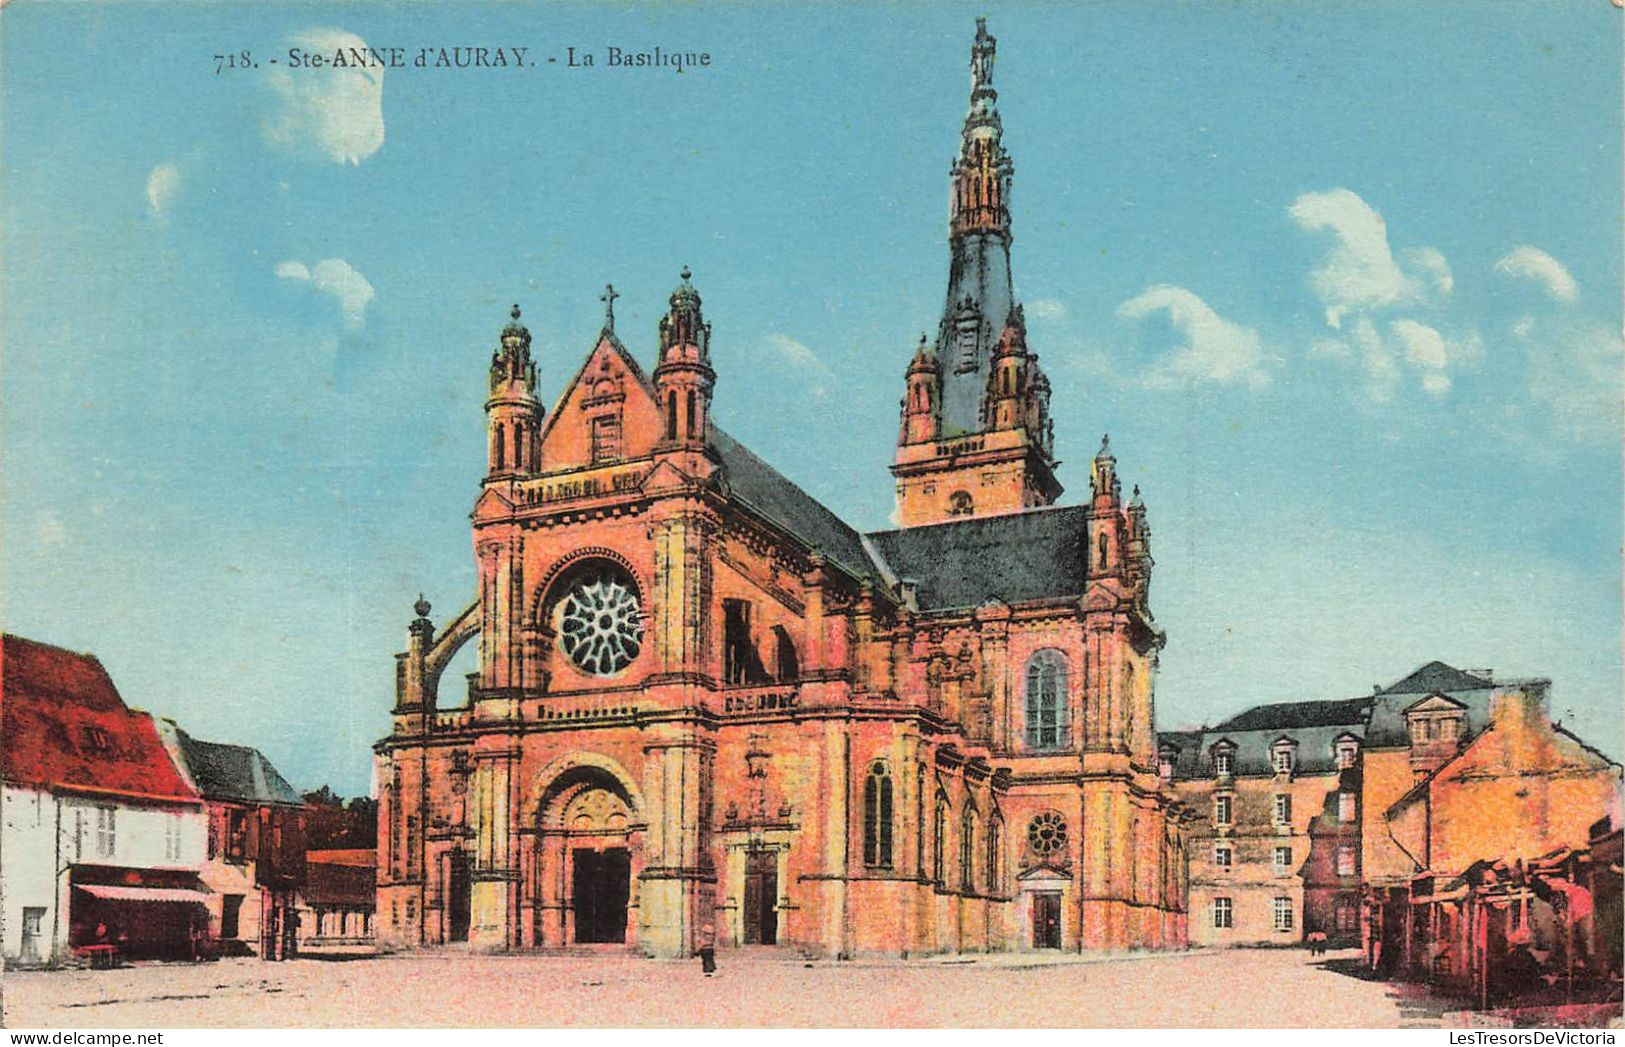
<point x="494" y="874"/>
<point x="677" y="887"/>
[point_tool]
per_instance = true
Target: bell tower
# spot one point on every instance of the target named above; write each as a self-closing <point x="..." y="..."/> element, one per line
<point x="982" y="445"/>
<point x="683" y="379"/>
<point x="513" y="414"/>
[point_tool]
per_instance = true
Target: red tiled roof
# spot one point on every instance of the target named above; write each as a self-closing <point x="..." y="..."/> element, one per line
<point x="63" y="725"/>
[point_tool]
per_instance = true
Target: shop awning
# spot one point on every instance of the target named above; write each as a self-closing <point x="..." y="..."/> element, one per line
<point x="120" y="893"/>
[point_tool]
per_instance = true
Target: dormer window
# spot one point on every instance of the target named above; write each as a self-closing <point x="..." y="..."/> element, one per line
<point x="1165" y="767"/>
<point x="1283" y="756"/>
<point x="1224" y="761"/>
<point x="1348" y="750"/>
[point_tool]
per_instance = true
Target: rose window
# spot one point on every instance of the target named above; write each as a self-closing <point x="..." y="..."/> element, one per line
<point x="1046" y="834"/>
<point x="600" y="624"/>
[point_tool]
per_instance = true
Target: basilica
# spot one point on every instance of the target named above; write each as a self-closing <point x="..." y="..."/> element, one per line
<point x="708" y="708"/>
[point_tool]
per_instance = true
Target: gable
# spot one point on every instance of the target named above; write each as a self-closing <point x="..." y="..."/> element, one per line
<point x="609" y="393"/>
<point x="1435" y="703"/>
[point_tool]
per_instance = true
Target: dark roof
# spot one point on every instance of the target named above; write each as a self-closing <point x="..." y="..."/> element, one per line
<point x="765" y="490"/>
<point x="1032" y="555"/>
<point x="1437" y="676"/>
<point x="1285" y="715"/>
<point x="340" y="878"/>
<point x="64" y="725"/>
<point x="234" y="773"/>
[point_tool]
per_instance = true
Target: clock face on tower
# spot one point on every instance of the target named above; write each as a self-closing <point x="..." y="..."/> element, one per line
<point x="600" y="622"/>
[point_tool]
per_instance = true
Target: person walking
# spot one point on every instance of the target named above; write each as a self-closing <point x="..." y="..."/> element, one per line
<point x="708" y="950"/>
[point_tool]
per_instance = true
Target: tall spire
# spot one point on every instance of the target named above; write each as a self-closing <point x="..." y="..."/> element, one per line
<point x="979" y="292"/>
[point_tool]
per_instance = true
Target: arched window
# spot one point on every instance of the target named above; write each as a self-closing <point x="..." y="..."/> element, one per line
<point x="500" y="457"/>
<point x="692" y="424"/>
<point x="877" y="816"/>
<point x="967" y="849"/>
<point x="1102" y="546"/>
<point x="995" y="868"/>
<point x="671" y="415"/>
<point x="1048" y="725"/>
<point x="939" y="843"/>
<point x="789" y="665"/>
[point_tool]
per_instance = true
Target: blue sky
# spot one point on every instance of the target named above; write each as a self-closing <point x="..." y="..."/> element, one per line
<point x="1341" y="280"/>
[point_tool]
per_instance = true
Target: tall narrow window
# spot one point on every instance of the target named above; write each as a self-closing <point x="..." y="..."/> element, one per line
<point x="1283" y="914"/>
<point x="1102" y="548"/>
<point x="995" y="868"/>
<point x="501" y="455"/>
<point x="1345" y="807"/>
<point x="106" y="831"/>
<point x="967" y="849"/>
<point x="606" y="438"/>
<point x="1046" y="702"/>
<point x="1223" y="914"/>
<point x="1221" y="810"/>
<point x="1283" y="808"/>
<point x="692" y="423"/>
<point x="1345" y="859"/>
<point x="789" y="665"/>
<point x="939" y="843"/>
<point x="877" y="817"/>
<point x="671" y="415"/>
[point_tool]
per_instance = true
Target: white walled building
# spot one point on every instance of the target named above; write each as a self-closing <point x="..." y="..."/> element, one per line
<point x="101" y="839"/>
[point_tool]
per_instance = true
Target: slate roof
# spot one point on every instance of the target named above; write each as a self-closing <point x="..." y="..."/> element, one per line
<point x="779" y="501"/>
<point x="1032" y="555"/>
<point x="1437" y="676"/>
<point x="1378" y="720"/>
<point x="1284" y="715"/>
<point x="234" y="773"/>
<point x="63" y="725"/>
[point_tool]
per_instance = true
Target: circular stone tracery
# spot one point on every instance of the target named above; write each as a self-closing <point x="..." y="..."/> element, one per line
<point x="600" y="622"/>
<point x="1046" y="834"/>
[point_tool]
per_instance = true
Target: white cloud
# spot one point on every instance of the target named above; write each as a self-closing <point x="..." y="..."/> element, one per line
<point x="799" y="356"/>
<point x="334" y="113"/>
<point x="1531" y="263"/>
<point x="1575" y="376"/>
<point x="1214" y="349"/>
<point x="338" y="278"/>
<point x="1423" y="346"/>
<point x="1410" y="346"/>
<point x="1361" y="273"/>
<point x="163" y="185"/>
<point x="1047" y="309"/>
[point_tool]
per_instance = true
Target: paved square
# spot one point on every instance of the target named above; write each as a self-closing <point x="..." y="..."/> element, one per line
<point x="753" y="988"/>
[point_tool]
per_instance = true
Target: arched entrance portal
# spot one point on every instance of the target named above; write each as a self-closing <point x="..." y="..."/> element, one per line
<point x="589" y="857"/>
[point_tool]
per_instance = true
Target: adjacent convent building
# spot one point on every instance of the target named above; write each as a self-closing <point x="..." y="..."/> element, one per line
<point x="704" y="699"/>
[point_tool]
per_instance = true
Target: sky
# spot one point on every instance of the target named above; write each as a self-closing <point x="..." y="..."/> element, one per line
<point x="1342" y="281"/>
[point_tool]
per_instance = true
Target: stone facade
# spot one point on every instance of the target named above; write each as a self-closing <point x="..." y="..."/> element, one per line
<point x="1440" y="769"/>
<point x="703" y="700"/>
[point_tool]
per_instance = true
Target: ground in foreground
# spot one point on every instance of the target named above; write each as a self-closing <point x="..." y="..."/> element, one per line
<point x="1263" y="988"/>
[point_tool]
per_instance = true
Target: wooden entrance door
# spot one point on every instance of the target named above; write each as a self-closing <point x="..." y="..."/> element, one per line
<point x="761" y="898"/>
<point x="1047" y="920"/>
<point x="602" y="887"/>
<point x="458" y="900"/>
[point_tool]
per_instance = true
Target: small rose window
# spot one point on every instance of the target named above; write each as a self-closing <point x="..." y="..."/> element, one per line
<point x="1046" y="834"/>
